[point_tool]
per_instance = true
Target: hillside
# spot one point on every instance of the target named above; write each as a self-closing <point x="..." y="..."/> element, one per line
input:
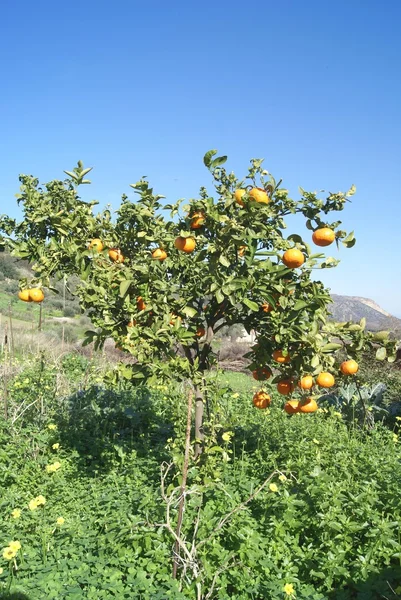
<point x="354" y="308"/>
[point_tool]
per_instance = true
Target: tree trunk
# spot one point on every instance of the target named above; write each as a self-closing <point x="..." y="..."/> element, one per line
<point x="199" y="433"/>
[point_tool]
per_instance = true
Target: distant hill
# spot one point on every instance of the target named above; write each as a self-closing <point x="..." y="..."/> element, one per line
<point x="353" y="308"/>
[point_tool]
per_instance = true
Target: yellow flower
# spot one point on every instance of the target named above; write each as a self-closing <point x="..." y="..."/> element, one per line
<point x="16" y="513"/>
<point x="33" y="505"/>
<point x="38" y="501"/>
<point x="56" y="446"/>
<point x="337" y="414"/>
<point x="227" y="436"/>
<point x="15" y="546"/>
<point x="60" y="521"/>
<point x="273" y="487"/>
<point x="236" y="395"/>
<point x="315" y="441"/>
<point x="282" y="478"/>
<point x="52" y="426"/>
<point x="289" y="589"/>
<point x="398" y="419"/>
<point x="53" y="467"/>
<point x="9" y="553"/>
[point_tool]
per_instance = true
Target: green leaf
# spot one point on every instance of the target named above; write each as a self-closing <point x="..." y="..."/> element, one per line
<point x="220" y="160"/>
<point x="331" y="347"/>
<point x="223" y="260"/>
<point x="190" y="311"/>
<point x="219" y="296"/>
<point x="315" y="361"/>
<point x="300" y="304"/>
<point x="124" y="287"/>
<point x="381" y="336"/>
<point x="250" y="304"/>
<point x="381" y="353"/>
<point x="351" y="191"/>
<point x="362" y="323"/>
<point x="207" y="159"/>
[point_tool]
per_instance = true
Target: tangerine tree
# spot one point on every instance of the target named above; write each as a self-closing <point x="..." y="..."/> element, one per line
<point x="162" y="279"/>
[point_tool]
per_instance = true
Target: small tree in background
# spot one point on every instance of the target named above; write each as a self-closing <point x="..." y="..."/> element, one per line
<point x="163" y="287"/>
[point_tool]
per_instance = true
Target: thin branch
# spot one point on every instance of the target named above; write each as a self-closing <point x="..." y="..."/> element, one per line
<point x="184" y="478"/>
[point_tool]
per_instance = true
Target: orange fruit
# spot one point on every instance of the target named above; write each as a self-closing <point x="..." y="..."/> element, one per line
<point x="259" y="195"/>
<point x="96" y="244"/>
<point x="262" y="373"/>
<point x="261" y="399"/>
<point x="242" y="250"/>
<point x="349" y="367"/>
<point x="323" y="236"/>
<point x="306" y="382"/>
<point x="24" y="296"/>
<point x="285" y="387"/>
<point x="238" y="196"/>
<point x="309" y="405"/>
<point x="291" y="407"/>
<point x="197" y="220"/>
<point x="200" y="332"/>
<point x="293" y="258"/>
<point x="280" y="358"/>
<point x="325" y="380"/>
<point x="266" y="307"/>
<point x="116" y="255"/>
<point x="36" y="295"/>
<point x="159" y="254"/>
<point x="140" y="303"/>
<point x="185" y="244"/>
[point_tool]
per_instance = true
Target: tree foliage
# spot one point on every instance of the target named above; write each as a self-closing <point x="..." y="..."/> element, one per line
<point x="166" y="312"/>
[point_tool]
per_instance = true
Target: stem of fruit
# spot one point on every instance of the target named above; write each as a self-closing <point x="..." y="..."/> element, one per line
<point x="183" y="483"/>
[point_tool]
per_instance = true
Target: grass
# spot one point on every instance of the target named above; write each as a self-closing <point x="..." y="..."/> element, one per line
<point x="329" y="526"/>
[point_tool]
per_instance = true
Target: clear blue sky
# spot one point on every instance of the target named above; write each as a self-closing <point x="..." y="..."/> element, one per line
<point x="136" y="88"/>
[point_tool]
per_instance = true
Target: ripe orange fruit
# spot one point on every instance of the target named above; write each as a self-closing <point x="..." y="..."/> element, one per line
<point x="197" y="220"/>
<point x="325" y="380"/>
<point x="306" y="382"/>
<point x="116" y="255"/>
<point x="323" y="236"/>
<point x="262" y="373"/>
<point x="309" y="405"/>
<point x="140" y="303"/>
<point x="36" y="295"/>
<point x="242" y="250"/>
<point x="259" y="195"/>
<point x="261" y="399"/>
<point x="200" y="332"/>
<point x="24" y="296"/>
<point x="349" y="367"/>
<point x="266" y="307"/>
<point x="185" y="244"/>
<point x="285" y="387"/>
<point x="159" y="254"/>
<point x="293" y="258"/>
<point x="238" y="196"/>
<point x="291" y="407"/>
<point x="280" y="358"/>
<point x="96" y="244"/>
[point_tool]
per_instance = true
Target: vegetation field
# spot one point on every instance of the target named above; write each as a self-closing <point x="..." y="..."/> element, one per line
<point x="278" y="506"/>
